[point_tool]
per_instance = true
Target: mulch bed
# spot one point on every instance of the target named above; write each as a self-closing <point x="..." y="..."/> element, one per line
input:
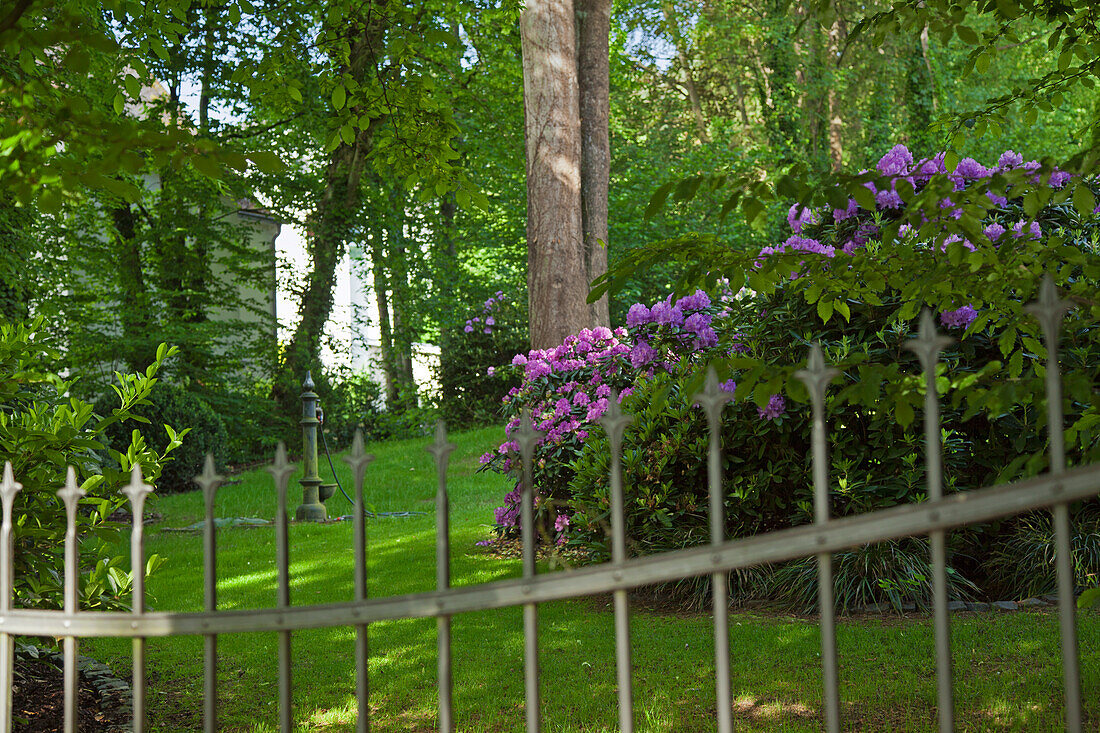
<point x="38" y="697"/>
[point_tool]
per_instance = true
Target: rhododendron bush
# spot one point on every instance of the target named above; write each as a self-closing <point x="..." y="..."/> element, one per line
<point x="970" y="244"/>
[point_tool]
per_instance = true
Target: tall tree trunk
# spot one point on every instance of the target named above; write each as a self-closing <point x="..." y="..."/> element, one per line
<point x="593" y="81"/>
<point x="556" y="270"/>
<point x="380" y="279"/>
<point x="134" y="297"/>
<point x="331" y="227"/>
<point x="400" y="291"/>
<point x="836" y="124"/>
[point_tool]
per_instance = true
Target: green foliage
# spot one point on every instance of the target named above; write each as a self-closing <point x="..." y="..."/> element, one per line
<point x="1022" y="564"/>
<point x="470" y="383"/>
<point x="170" y="406"/>
<point x="895" y="572"/>
<point x="43" y="430"/>
<point x="352" y="402"/>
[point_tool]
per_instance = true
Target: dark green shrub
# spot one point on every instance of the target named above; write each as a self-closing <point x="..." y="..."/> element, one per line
<point x="43" y="430"/>
<point x="352" y="401"/>
<point x="171" y="405"/>
<point x="470" y="376"/>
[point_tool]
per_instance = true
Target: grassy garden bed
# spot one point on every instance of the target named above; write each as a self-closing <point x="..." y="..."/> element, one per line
<point x="1007" y="669"/>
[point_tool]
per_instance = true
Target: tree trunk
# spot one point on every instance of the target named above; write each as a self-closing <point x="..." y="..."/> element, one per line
<point x="380" y="280"/>
<point x="593" y="81"/>
<point x="400" y="291"/>
<point x="331" y="226"/>
<point x="556" y="270"/>
<point x="836" y="124"/>
<point x="134" y="306"/>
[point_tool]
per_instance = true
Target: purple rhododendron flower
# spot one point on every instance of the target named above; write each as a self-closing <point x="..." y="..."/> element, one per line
<point x="994" y="231"/>
<point x="968" y="169"/>
<point x="997" y="199"/>
<point x="519" y="360"/>
<point x="776" y="406"/>
<point x="665" y="313"/>
<point x="641" y="355"/>
<point x="1033" y="229"/>
<point x="597" y="409"/>
<point x="847" y="213"/>
<point x="469" y="328"/>
<point x="561" y="523"/>
<point x="799" y="216"/>
<point x="696" y="301"/>
<point x="929" y="167"/>
<point x="537" y="368"/>
<point x="956" y="238"/>
<point x="1059" y="178"/>
<point x="959" y="318"/>
<point x="728" y="386"/>
<point x="896" y="162"/>
<point x="1010" y="159"/>
<point x="491" y="371"/>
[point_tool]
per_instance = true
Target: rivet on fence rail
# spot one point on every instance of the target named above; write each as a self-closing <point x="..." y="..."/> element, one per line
<point x="9" y="487"/>
<point x="713" y="401"/>
<point x="615" y="423"/>
<point x="281" y="471"/>
<point x="1050" y="309"/>
<point x="527" y="438"/>
<point x="209" y="481"/>
<point x="927" y="346"/>
<point x="816" y="376"/>
<point x="358" y="460"/>
<point x="441" y="450"/>
<point x="136" y="491"/>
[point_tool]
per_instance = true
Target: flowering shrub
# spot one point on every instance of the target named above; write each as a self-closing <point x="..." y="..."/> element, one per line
<point x="569" y="388"/>
<point x="970" y="244"/>
<point x="485" y="338"/>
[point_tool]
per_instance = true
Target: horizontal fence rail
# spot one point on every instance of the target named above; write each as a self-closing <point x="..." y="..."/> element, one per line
<point x="827" y="535"/>
<point x="788" y="544"/>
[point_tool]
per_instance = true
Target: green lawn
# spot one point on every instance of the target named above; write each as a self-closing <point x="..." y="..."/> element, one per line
<point x="1007" y="674"/>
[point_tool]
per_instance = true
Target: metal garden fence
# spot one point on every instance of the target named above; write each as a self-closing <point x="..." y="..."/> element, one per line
<point x="934" y="517"/>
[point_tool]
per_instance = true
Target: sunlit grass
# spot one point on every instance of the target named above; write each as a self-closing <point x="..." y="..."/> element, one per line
<point x="1007" y="673"/>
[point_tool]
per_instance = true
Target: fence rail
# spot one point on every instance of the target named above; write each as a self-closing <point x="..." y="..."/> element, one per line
<point x="935" y="517"/>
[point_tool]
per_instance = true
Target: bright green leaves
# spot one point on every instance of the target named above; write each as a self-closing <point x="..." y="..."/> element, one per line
<point x="339" y="97"/>
<point x="1083" y="199"/>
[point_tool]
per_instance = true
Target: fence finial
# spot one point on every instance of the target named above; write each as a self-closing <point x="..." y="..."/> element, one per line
<point x="712" y="398"/>
<point x="527" y="437"/>
<point x="928" y="344"/>
<point x="816" y="376"/>
<point x="441" y="448"/>
<point x="9" y="487"/>
<point x="358" y="459"/>
<point x="1049" y="309"/>
<point x="209" y="480"/>
<point x="615" y="421"/>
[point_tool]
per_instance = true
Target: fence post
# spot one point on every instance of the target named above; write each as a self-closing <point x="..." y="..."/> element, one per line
<point x="311" y="509"/>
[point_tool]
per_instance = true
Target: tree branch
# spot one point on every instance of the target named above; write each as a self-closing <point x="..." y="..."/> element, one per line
<point x="16" y="13"/>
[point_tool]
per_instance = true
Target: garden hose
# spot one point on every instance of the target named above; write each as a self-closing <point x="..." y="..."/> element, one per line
<point x="366" y="512"/>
